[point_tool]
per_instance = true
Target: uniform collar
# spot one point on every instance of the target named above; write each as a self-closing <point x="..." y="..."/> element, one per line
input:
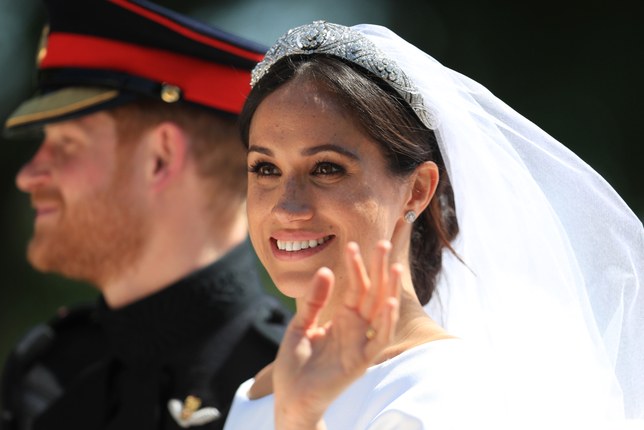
<point x="153" y="328"/>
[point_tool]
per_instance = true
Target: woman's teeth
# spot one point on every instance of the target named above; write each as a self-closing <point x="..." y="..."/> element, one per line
<point x="297" y="245"/>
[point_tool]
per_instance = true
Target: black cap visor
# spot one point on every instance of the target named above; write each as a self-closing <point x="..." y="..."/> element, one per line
<point x="60" y="105"/>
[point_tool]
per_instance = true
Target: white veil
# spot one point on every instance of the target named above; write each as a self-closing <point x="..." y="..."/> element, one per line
<point x="551" y="290"/>
<point x="555" y="259"/>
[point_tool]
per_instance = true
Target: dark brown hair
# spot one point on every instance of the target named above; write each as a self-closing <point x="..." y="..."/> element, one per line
<point x="404" y="141"/>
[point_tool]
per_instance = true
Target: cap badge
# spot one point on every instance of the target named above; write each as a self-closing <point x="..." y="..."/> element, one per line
<point x="170" y="93"/>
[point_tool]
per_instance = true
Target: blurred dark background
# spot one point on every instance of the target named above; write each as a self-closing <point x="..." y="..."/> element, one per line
<point x="575" y="68"/>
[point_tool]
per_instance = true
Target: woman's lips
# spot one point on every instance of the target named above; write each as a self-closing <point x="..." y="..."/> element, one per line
<point x="298" y="245"/>
<point x="299" y="248"/>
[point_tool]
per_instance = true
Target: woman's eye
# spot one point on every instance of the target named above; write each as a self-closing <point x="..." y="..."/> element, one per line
<point x="264" y="169"/>
<point x="326" y="168"/>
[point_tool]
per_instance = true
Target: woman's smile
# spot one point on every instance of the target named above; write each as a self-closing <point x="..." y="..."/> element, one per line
<point x="299" y="249"/>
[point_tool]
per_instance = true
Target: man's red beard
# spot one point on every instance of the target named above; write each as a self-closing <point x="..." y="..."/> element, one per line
<point x="93" y="240"/>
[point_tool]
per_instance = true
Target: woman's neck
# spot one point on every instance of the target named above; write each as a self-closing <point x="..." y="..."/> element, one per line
<point x="415" y="328"/>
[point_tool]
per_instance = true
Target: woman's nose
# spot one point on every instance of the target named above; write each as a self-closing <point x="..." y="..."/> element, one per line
<point x="295" y="202"/>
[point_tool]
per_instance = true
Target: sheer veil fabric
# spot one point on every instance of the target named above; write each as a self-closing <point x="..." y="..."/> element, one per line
<point x="550" y="291"/>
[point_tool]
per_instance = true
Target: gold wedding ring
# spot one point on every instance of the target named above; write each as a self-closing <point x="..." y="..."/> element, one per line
<point x="370" y="333"/>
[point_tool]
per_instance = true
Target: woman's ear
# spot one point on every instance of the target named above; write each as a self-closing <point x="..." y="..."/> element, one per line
<point x="423" y="186"/>
<point x="167" y="147"/>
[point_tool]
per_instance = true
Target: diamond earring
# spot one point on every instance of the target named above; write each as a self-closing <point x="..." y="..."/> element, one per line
<point x="410" y="217"/>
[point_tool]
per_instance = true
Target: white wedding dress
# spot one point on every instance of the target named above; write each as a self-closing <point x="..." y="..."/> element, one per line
<point x="437" y="385"/>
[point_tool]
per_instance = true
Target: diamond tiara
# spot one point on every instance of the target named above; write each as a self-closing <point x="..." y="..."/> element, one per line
<point x="322" y="37"/>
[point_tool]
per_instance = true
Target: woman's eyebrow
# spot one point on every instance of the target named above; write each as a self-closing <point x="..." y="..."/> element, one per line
<point x="260" y="149"/>
<point x="309" y="151"/>
<point x="330" y="147"/>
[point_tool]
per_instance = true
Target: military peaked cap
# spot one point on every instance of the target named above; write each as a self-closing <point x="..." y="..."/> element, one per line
<point x="102" y="53"/>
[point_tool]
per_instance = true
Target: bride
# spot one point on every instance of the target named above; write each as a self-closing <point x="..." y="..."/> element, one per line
<point x="453" y="265"/>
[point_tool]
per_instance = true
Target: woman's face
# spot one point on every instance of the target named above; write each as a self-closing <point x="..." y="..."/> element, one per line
<point x="316" y="181"/>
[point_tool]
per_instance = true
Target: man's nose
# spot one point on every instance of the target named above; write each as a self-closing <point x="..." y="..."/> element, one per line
<point x="36" y="172"/>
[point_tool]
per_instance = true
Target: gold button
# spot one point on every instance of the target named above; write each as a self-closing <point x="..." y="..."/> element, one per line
<point x="42" y="46"/>
<point x="170" y="93"/>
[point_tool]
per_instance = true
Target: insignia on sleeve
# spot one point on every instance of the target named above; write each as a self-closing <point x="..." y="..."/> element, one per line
<point x="188" y="414"/>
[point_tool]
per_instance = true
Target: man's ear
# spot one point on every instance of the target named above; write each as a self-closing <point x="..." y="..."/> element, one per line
<point x="423" y="186"/>
<point x="167" y="146"/>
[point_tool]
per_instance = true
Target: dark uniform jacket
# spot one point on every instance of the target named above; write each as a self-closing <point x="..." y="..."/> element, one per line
<point x="97" y="368"/>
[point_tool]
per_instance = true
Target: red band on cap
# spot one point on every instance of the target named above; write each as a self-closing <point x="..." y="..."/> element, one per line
<point x="166" y="22"/>
<point x="204" y="82"/>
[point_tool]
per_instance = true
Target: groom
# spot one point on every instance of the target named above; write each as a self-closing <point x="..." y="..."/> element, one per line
<point x="138" y="188"/>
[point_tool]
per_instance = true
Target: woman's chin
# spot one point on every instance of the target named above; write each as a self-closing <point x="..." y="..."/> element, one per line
<point x="293" y="284"/>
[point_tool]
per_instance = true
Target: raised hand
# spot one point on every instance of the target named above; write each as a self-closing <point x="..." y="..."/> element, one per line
<point x="316" y="362"/>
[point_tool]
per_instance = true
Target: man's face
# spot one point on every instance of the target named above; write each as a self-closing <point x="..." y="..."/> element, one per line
<point x="89" y="222"/>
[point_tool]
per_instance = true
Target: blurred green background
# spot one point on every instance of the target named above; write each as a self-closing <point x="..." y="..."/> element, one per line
<point x="575" y="68"/>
